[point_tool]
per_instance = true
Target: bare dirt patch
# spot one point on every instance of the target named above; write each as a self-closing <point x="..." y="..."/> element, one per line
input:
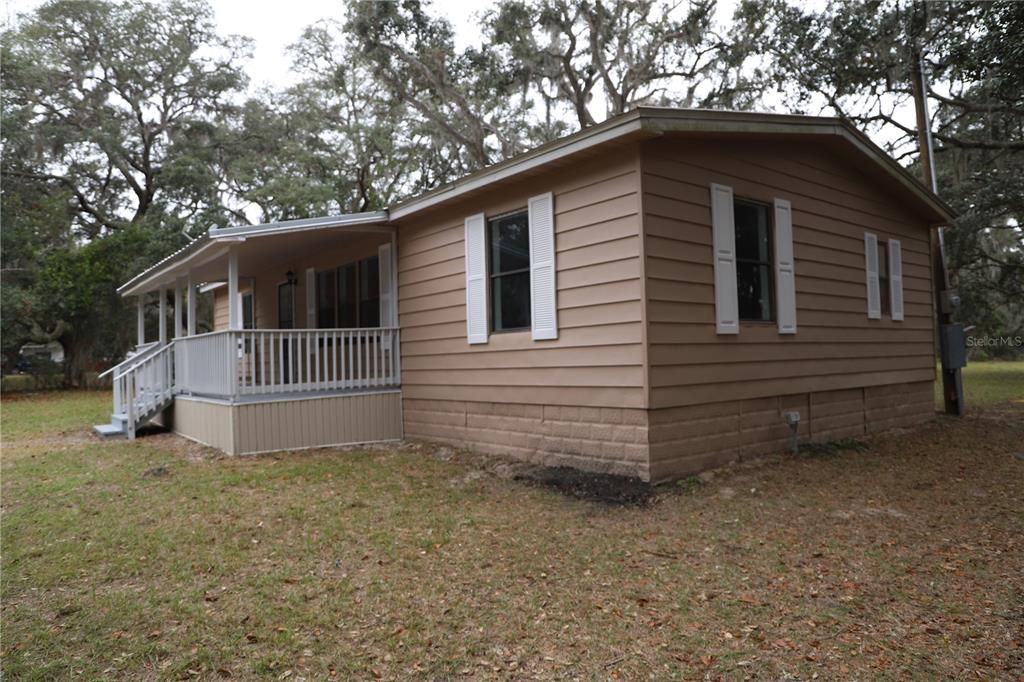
<point x="603" y="488"/>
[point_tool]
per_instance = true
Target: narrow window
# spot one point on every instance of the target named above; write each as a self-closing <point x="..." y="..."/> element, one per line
<point x="347" y="301"/>
<point x="286" y="306"/>
<point x="369" y="292"/>
<point x="754" y="280"/>
<point x="358" y="294"/>
<point x="883" y="276"/>
<point x="325" y="298"/>
<point x="509" y="238"/>
<point x="248" y="312"/>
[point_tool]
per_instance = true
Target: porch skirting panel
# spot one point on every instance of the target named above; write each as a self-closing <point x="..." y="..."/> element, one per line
<point x="289" y="423"/>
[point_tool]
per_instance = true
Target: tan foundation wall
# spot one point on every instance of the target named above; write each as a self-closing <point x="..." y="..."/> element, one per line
<point x="685" y="440"/>
<point x="599" y="439"/>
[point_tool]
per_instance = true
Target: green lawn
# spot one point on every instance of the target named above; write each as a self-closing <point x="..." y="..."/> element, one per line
<point x="991" y="383"/>
<point x="158" y="560"/>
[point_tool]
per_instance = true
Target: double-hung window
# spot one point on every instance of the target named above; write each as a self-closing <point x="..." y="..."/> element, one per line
<point x="883" y="265"/>
<point x="754" y="267"/>
<point x="754" y="273"/>
<point x="509" y="239"/>
<point x="885" y="296"/>
<point x="511" y="273"/>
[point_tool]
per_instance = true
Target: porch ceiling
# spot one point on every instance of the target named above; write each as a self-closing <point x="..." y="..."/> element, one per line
<point x="258" y="254"/>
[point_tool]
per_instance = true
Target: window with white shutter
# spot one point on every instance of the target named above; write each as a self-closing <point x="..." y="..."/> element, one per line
<point x="896" y="279"/>
<point x="785" y="280"/>
<point x="724" y="245"/>
<point x="476" y="279"/>
<point x="543" y="297"/>
<point x="871" y="275"/>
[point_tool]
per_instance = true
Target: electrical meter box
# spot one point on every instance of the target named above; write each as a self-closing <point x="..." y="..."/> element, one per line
<point x="953" y="345"/>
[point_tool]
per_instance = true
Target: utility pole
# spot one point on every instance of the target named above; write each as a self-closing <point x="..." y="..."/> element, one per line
<point x="945" y="297"/>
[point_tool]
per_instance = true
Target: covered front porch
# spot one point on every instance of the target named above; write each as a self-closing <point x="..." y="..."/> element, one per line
<point x="304" y="339"/>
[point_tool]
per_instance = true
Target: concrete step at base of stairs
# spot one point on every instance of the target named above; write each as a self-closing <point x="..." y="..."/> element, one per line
<point x="109" y="431"/>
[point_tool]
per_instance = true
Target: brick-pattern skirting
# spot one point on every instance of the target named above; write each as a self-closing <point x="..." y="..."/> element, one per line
<point x="686" y="440"/>
<point x="598" y="439"/>
<point x="664" y="444"/>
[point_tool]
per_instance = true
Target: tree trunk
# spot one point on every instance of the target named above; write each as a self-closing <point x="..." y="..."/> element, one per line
<point x="72" y="361"/>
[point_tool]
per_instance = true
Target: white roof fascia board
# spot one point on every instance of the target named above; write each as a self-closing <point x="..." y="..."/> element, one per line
<point x="167" y="265"/>
<point x="376" y="218"/>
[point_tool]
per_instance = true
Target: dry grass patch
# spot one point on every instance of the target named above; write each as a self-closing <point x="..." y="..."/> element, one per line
<point x="904" y="559"/>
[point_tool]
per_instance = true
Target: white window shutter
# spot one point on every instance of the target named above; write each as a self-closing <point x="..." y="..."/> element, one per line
<point x="476" y="279"/>
<point x="543" y="296"/>
<point x="724" y="243"/>
<point x="785" y="277"/>
<point x="871" y="272"/>
<point x="385" y="275"/>
<point x="896" y="279"/>
<point x="311" y="321"/>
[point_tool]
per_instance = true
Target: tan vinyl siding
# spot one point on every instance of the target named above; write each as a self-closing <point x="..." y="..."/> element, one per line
<point x="220" y="309"/>
<point x="598" y="359"/>
<point x="836" y="346"/>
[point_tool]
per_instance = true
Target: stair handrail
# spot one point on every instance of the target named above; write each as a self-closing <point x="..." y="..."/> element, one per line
<point x="132" y="409"/>
<point x="138" y="356"/>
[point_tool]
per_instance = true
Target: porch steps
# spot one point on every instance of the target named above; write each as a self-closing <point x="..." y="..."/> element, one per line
<point x="118" y="426"/>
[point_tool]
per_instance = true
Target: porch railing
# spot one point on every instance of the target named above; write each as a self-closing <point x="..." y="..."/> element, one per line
<point x="261" y="361"/>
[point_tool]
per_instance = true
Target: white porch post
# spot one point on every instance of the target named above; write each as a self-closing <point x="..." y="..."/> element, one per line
<point x="192" y="295"/>
<point x="179" y="307"/>
<point x="163" y="315"/>
<point x="234" y="310"/>
<point x="141" y="323"/>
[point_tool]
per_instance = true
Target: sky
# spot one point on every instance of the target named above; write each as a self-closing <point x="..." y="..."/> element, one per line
<point x="273" y="25"/>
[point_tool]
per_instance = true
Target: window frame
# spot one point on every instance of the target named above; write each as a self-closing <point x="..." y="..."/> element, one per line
<point x="492" y="276"/>
<point x="769" y="263"/>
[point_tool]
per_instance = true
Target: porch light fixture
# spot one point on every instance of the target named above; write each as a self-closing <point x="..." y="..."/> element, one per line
<point x="291" y="278"/>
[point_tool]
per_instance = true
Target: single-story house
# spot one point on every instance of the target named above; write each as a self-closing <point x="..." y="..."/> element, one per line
<point x="651" y="296"/>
